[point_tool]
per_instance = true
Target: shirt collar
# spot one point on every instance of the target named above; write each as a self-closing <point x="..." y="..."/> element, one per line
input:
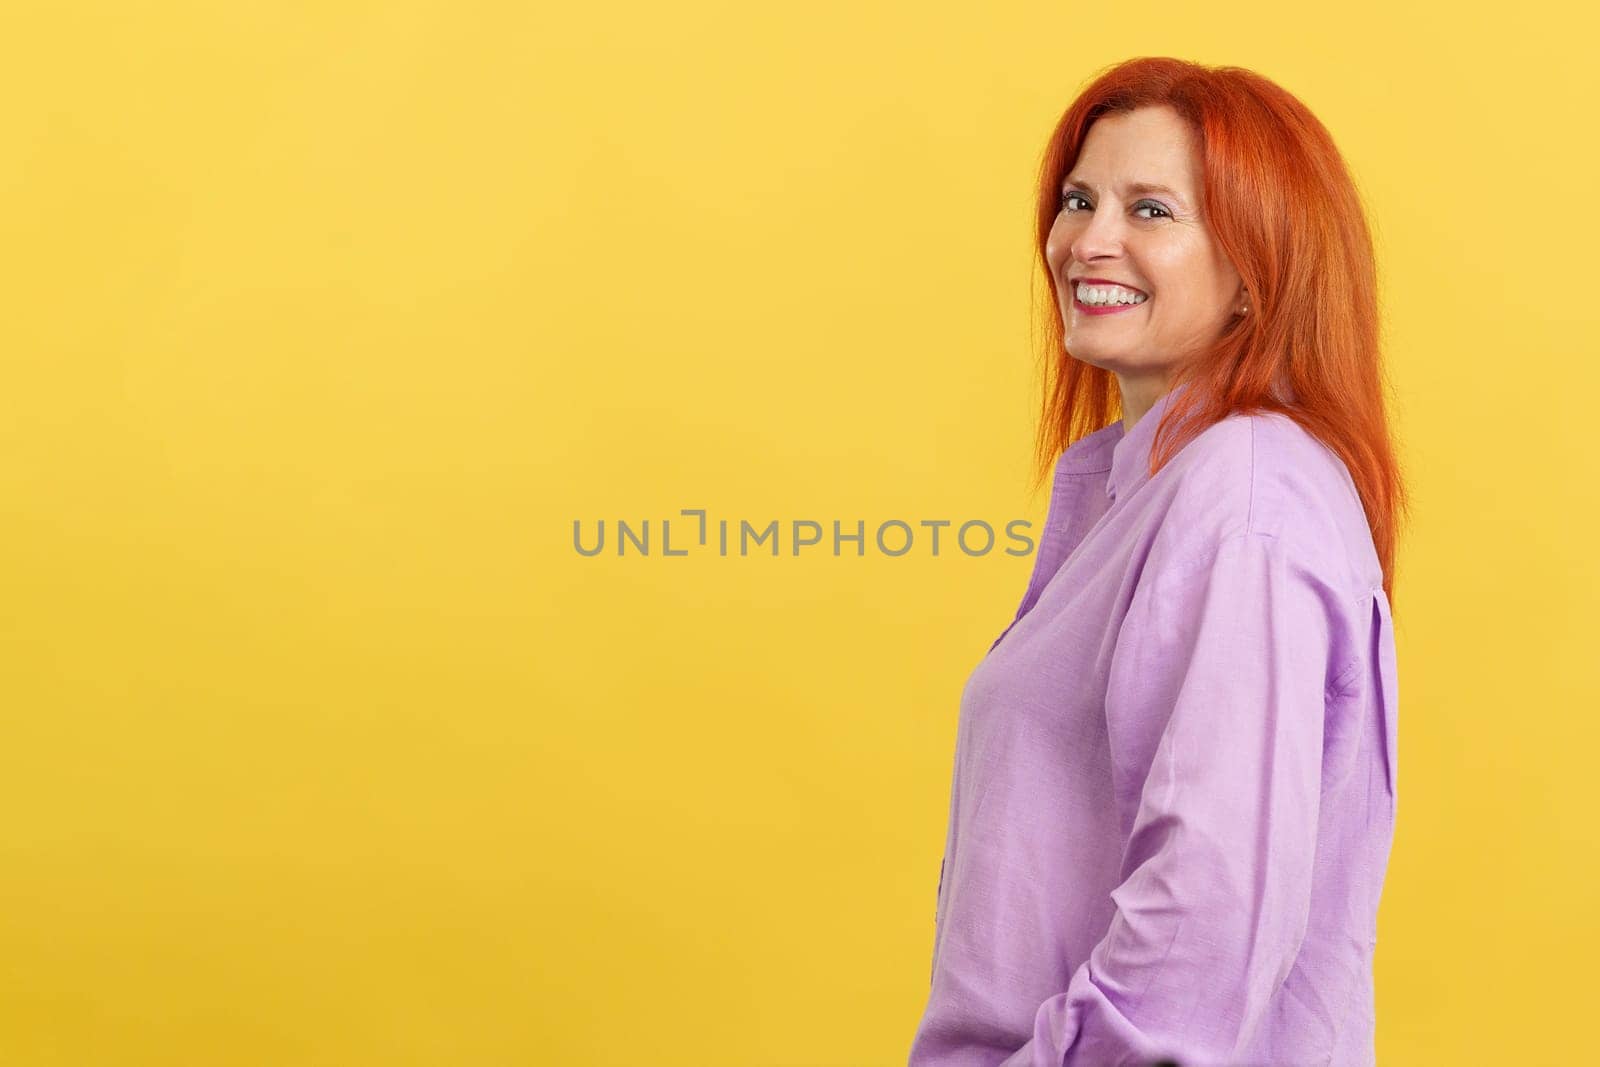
<point x="1130" y="455"/>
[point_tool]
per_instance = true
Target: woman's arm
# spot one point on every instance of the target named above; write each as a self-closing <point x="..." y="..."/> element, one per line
<point x="1216" y="713"/>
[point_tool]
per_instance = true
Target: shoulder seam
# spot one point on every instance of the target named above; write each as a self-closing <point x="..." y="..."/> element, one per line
<point x="1201" y="560"/>
<point x="1207" y="555"/>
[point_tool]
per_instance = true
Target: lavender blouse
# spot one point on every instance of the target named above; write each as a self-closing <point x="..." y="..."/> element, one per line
<point x="1173" y="797"/>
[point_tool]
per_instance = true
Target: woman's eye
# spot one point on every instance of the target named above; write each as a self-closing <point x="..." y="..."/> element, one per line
<point x="1067" y="198"/>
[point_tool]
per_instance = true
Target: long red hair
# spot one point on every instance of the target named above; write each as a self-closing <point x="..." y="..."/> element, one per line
<point x="1281" y="204"/>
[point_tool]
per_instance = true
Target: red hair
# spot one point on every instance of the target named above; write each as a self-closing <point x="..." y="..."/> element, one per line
<point x="1282" y="206"/>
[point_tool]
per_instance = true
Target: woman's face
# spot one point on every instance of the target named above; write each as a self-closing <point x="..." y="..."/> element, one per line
<point x="1152" y="240"/>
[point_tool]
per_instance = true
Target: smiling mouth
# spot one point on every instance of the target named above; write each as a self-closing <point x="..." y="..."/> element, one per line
<point x="1106" y="309"/>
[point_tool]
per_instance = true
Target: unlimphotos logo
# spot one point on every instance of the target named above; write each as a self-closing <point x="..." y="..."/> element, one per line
<point x="892" y="537"/>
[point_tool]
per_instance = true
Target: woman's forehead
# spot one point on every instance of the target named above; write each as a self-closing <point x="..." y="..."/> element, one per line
<point x="1136" y="151"/>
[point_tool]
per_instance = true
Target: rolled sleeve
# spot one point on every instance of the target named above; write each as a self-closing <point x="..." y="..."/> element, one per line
<point x="1215" y="711"/>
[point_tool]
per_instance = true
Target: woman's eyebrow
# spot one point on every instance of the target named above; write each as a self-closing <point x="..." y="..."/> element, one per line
<point x="1130" y="187"/>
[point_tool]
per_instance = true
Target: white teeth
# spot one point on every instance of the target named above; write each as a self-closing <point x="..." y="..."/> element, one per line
<point x="1102" y="295"/>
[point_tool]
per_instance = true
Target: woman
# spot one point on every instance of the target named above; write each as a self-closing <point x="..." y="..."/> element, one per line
<point x="1174" y="789"/>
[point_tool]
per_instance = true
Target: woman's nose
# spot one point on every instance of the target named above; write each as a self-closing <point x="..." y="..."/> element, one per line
<point x="1100" y="236"/>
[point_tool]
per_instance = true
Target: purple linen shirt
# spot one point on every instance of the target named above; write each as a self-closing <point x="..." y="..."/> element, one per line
<point x="1173" y="797"/>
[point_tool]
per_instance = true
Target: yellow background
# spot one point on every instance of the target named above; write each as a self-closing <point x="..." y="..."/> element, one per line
<point x="320" y="744"/>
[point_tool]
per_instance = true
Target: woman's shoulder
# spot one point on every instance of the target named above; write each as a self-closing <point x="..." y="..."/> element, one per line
<point x="1264" y="475"/>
